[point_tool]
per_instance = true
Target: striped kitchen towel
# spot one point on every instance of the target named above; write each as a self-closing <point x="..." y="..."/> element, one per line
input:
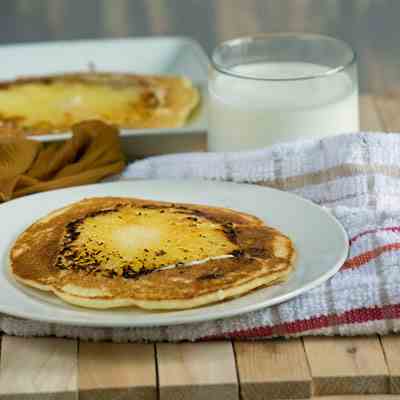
<point x="358" y="177"/>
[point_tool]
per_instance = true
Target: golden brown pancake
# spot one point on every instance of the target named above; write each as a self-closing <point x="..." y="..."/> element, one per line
<point x="49" y="104"/>
<point x="112" y="252"/>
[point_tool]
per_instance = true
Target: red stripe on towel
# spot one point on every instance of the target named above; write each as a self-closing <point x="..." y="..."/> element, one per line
<point x="388" y="229"/>
<point x="368" y="256"/>
<point x="356" y="316"/>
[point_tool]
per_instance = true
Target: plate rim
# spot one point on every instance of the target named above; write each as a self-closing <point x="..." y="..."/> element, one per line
<point x="226" y="313"/>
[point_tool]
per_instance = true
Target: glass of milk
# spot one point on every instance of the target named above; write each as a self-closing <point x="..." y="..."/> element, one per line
<point x="281" y="87"/>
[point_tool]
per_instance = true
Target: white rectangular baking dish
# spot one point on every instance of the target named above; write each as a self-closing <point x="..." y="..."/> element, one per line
<point x="150" y="55"/>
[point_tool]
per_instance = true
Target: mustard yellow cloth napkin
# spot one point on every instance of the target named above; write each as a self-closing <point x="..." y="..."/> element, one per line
<point x="28" y="166"/>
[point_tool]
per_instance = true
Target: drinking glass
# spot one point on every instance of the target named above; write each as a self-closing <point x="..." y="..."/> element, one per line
<point x="276" y="88"/>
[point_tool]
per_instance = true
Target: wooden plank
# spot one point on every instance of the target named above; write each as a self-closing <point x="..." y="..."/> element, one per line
<point x="391" y="348"/>
<point x="359" y="397"/>
<point x="370" y="120"/>
<point x="56" y="16"/>
<point x="197" y="371"/>
<point x="116" y="370"/>
<point x="373" y="75"/>
<point x="38" y="368"/>
<point x="159" y="17"/>
<point x="115" y="20"/>
<point x="229" y="23"/>
<point x="388" y="107"/>
<point x="345" y="365"/>
<point x="276" y="369"/>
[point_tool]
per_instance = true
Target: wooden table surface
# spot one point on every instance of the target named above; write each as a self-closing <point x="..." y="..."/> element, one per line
<point x="53" y="368"/>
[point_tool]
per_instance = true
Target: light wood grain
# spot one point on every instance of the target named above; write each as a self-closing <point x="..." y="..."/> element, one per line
<point x="275" y="369"/>
<point x="391" y="348"/>
<point x="150" y="146"/>
<point x="230" y="24"/>
<point x="370" y="119"/>
<point x="56" y="10"/>
<point x="158" y="15"/>
<point x="38" y="368"/>
<point x="372" y="69"/>
<point x="113" y="370"/>
<point x="341" y="365"/>
<point x="197" y="371"/>
<point x="115" y="19"/>
<point x="358" y="397"/>
<point x="388" y="107"/>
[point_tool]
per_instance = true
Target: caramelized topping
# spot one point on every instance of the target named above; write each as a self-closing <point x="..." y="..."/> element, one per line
<point x="131" y="241"/>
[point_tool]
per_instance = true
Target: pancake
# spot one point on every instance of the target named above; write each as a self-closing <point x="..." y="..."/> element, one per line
<point x="50" y="104"/>
<point x="113" y="252"/>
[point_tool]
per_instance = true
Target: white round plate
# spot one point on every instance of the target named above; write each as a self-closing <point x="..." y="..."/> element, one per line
<point x="319" y="239"/>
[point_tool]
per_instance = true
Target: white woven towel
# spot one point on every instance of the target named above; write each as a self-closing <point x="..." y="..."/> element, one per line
<point x="358" y="177"/>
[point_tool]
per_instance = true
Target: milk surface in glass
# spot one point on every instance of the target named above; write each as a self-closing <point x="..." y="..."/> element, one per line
<point x="248" y="113"/>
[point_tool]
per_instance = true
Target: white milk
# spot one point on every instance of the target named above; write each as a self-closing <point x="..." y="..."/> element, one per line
<point x="248" y="113"/>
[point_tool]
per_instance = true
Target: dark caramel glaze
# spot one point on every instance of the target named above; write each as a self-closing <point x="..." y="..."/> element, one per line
<point x="91" y="262"/>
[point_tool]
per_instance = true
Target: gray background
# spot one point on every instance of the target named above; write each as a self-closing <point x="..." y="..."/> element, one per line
<point x="372" y="27"/>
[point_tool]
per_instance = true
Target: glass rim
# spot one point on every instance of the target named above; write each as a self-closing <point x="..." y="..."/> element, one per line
<point x="244" y="39"/>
